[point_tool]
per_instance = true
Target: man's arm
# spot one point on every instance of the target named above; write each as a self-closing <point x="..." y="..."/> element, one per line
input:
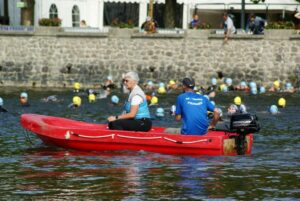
<point x="215" y="119"/>
<point x="297" y="15"/>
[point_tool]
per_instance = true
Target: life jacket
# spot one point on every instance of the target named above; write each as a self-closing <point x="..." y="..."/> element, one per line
<point x="143" y="111"/>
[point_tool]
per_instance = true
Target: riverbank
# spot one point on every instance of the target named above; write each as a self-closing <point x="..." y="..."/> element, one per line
<point x="55" y="57"/>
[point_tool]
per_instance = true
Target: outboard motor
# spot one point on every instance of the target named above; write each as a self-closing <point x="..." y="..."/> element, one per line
<point x="243" y="124"/>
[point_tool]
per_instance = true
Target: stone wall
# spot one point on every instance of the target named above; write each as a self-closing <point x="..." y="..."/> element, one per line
<point x="56" y="59"/>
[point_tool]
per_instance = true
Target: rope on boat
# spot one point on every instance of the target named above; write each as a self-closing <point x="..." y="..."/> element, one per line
<point x="139" y="138"/>
<point x="68" y="133"/>
<point x="191" y="142"/>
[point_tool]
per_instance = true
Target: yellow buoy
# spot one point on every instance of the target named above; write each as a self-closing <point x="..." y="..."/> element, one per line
<point x="76" y="101"/>
<point x="281" y="102"/>
<point x="76" y="85"/>
<point x="276" y="84"/>
<point x="92" y="98"/>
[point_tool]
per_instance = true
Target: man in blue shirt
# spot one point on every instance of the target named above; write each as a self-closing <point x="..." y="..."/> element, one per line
<point x="255" y="24"/>
<point x="192" y="109"/>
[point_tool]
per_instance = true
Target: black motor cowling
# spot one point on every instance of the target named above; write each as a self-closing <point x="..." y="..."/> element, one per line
<point x="244" y="123"/>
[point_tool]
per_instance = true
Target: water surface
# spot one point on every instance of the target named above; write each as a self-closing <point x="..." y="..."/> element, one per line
<point x="37" y="171"/>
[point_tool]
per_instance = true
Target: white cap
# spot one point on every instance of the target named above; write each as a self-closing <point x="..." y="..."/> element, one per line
<point x="24" y="95"/>
<point x="109" y="77"/>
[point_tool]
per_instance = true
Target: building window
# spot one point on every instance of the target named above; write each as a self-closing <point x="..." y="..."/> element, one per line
<point x="75" y="16"/>
<point x="118" y="14"/>
<point x="53" y="13"/>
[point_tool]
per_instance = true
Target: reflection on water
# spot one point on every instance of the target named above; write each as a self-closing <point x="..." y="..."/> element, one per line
<point x="41" y="172"/>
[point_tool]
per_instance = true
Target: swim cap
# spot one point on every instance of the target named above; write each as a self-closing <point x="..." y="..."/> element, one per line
<point x="288" y="85"/>
<point x="262" y="90"/>
<point x="213" y="81"/>
<point x="237" y="100"/>
<point x="276" y="84"/>
<point x="273" y="109"/>
<point x="161" y="90"/>
<point x="281" y="102"/>
<point x="109" y="77"/>
<point x="76" y="85"/>
<point x="243" y="84"/>
<point x="92" y="98"/>
<point x="154" y="100"/>
<point x="24" y="95"/>
<point x="228" y="81"/>
<point x="77" y="101"/>
<point x="161" y="84"/>
<point x="148" y="97"/>
<point x="253" y="90"/>
<point x="1" y="101"/>
<point x="150" y="83"/>
<point x="160" y="112"/>
<point x="252" y="85"/>
<point x="115" y="99"/>
<point x="223" y="88"/>
<point x="91" y="91"/>
<point x="232" y="109"/>
<point x="172" y="82"/>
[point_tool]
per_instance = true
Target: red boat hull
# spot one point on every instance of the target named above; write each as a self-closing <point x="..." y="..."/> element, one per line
<point x="71" y="134"/>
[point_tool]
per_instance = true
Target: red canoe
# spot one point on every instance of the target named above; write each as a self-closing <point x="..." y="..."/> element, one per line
<point x="71" y="134"/>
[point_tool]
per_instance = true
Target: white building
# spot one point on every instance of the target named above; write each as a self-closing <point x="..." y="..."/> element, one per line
<point x="14" y="12"/>
<point x="96" y="12"/>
